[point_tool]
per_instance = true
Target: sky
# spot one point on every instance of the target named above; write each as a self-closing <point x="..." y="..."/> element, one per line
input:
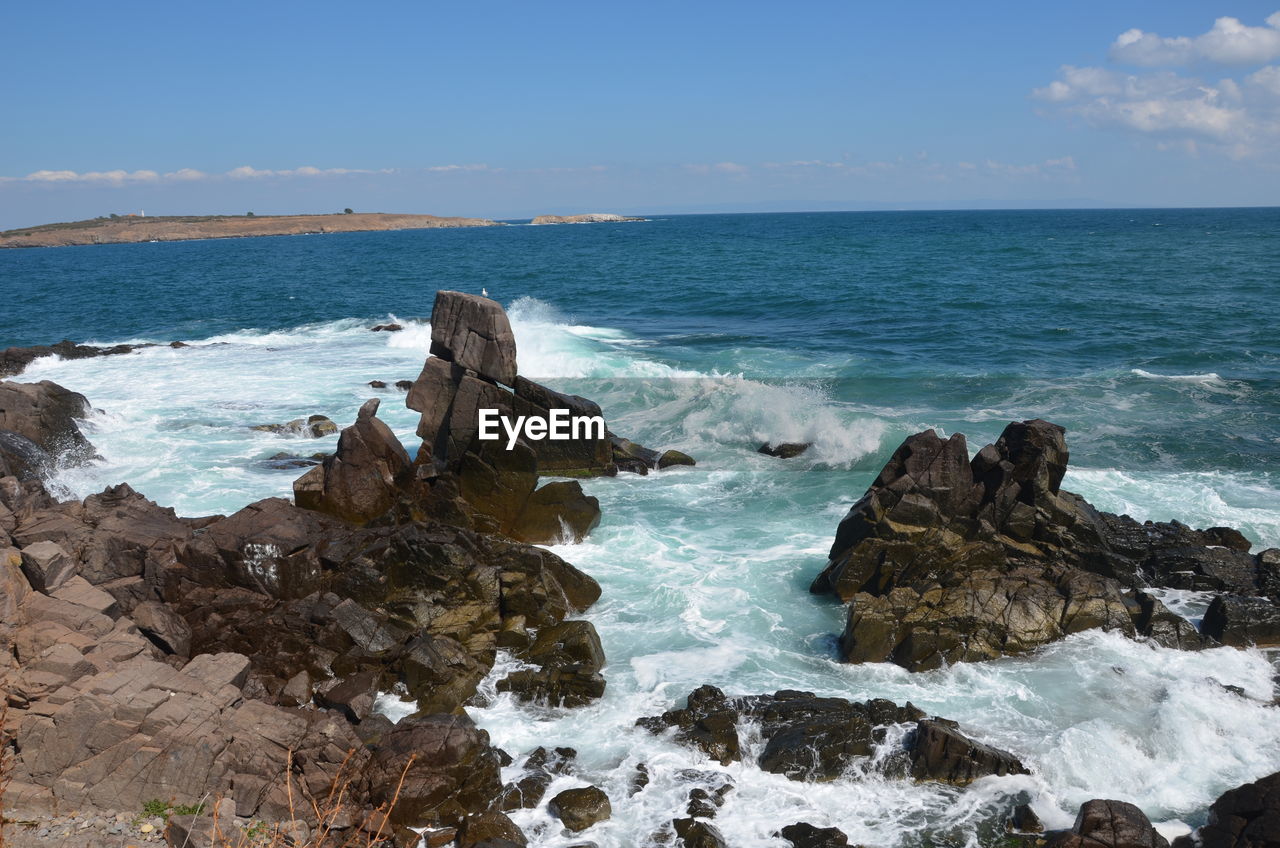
<point x="507" y="110"/>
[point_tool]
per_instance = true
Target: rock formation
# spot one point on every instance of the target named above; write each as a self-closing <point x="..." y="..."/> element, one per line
<point x="1245" y="817"/>
<point x="812" y="738"/>
<point x="947" y="559"/>
<point x="38" y="428"/>
<point x="1109" y="824"/>
<point x="589" y="218"/>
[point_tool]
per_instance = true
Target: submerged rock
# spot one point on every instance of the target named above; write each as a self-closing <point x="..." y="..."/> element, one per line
<point x="313" y="427"/>
<point x="805" y="835"/>
<point x="812" y="738"/>
<point x="784" y="450"/>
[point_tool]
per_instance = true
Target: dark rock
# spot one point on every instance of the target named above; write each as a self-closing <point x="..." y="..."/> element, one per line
<point x="1024" y="820"/>
<point x="1242" y="621"/>
<point x="629" y="456"/>
<point x="694" y="833"/>
<point x="569" y="643"/>
<point x="488" y="827"/>
<point x="46" y="413"/>
<point x="674" y="457"/>
<point x="939" y="751"/>
<point x="579" y="809"/>
<point x="14" y="359"/>
<point x="708" y="722"/>
<point x="377" y="384"/>
<point x="947" y="559"/>
<point x="360" y="481"/>
<point x="387" y="328"/>
<point x="459" y="777"/>
<point x="1158" y="623"/>
<point x="24" y="459"/>
<point x="163" y="626"/>
<point x="313" y="427"/>
<point x="404" y="385"/>
<point x="1245" y="817"/>
<point x="474" y="332"/>
<point x="589" y="456"/>
<point x="640" y="779"/>
<point x="1109" y="824"/>
<point x="784" y="450"/>
<point x="562" y="686"/>
<point x="47" y="566"/>
<point x="805" y="835"/>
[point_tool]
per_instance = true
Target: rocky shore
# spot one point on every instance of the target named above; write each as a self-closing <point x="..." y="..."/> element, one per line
<point x="590" y="218"/>
<point x="133" y="229"/>
<point x="222" y="680"/>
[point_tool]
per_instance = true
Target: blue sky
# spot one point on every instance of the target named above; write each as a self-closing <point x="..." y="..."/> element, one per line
<point x="510" y="109"/>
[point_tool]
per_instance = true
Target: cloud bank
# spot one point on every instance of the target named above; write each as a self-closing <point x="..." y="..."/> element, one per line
<point x="1238" y="115"/>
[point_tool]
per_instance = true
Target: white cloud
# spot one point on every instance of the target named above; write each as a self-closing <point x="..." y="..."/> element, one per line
<point x="1182" y="111"/>
<point x="1228" y="42"/>
<point x="447" y="168"/>
<point x="718" y="168"/>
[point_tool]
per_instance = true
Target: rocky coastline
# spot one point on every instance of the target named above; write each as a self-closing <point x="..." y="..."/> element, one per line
<point x="590" y="218"/>
<point x="234" y="665"/>
<point x="134" y="229"/>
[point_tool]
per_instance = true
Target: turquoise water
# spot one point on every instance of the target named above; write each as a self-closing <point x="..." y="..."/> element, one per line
<point x="1150" y="335"/>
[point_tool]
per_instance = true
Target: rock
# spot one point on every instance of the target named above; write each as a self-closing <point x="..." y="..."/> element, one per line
<point x="588" y="456"/>
<point x="387" y="328"/>
<point x="708" y="722"/>
<point x="187" y="831"/>
<point x="590" y="218"/>
<point x="947" y="559"/>
<point x="47" y="566"/>
<point x="1156" y="622"/>
<point x="474" y="332"/>
<point x="1109" y="824"/>
<point x="1024" y="820"/>
<point x="674" y="457"/>
<point x="579" y="809"/>
<point x="377" y="384"/>
<point x="168" y="630"/>
<point x="313" y="427"/>
<point x="629" y="456"/>
<point x="24" y="459"/>
<point x="46" y="413"/>
<point x="562" y="686"/>
<point x="1245" y="817"/>
<point x="14" y="359"/>
<point x="557" y="512"/>
<point x="940" y="752"/>
<point x="784" y="450"/>
<point x="360" y="481"/>
<point x="1242" y="621"/>
<point x="569" y="643"/>
<point x="404" y="385"/>
<point x="488" y="827"/>
<point x="458" y="778"/>
<point x="694" y="833"/>
<point x="805" y="835"/>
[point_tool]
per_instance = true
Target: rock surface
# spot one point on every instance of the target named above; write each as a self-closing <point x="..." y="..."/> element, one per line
<point x="580" y="808"/>
<point x="1245" y="817"/>
<point x="359" y="481"/>
<point x="1109" y="824"/>
<point x="812" y="738"/>
<point x="45" y="414"/>
<point x="947" y="559"/>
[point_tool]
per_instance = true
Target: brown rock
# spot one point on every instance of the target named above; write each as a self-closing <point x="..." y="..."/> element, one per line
<point x="579" y="809"/>
<point x="473" y="331"/>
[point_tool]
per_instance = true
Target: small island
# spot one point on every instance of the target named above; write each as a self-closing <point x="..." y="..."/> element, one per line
<point x="592" y="218"/>
<point x="136" y="228"/>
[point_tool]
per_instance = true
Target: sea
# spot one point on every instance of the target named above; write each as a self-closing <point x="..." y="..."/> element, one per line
<point x="1151" y="335"/>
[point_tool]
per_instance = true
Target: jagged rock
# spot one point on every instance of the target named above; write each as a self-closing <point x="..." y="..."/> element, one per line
<point x="805" y="835"/>
<point x="629" y="456"/>
<point x="812" y="738"/>
<point x="541" y="768"/>
<point x="565" y="644"/>
<point x="694" y="833"/>
<point x="1024" y="820"/>
<point x="460" y="777"/>
<point x="47" y="566"/>
<point x="474" y="332"/>
<point x="947" y="559"/>
<point x="1242" y="621"/>
<point x="708" y="721"/>
<point x="784" y="450"/>
<point x="1109" y="824"/>
<point x="387" y="328"/>
<point x="579" y="809"/>
<point x="939" y="751"/>
<point x="313" y="427"/>
<point x="560" y="686"/>
<point x="24" y="459"/>
<point x="674" y="457"/>
<point x="1155" y="621"/>
<point x="163" y="626"/>
<point x="14" y="359"/>
<point x="1245" y="817"/>
<point x="591" y="456"/>
<point x="487" y="827"/>
<point x="359" y="482"/>
<point x="46" y="413"/>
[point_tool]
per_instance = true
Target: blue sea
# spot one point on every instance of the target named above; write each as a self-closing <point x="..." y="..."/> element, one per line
<point x="1151" y="335"/>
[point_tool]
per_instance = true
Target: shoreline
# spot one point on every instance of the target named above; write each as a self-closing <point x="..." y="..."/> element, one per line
<point x="135" y="230"/>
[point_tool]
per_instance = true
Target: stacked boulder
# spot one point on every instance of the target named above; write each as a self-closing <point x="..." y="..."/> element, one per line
<point x="947" y="559"/>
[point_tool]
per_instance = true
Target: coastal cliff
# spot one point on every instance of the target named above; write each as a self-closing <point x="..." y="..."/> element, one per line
<point x="132" y="229"/>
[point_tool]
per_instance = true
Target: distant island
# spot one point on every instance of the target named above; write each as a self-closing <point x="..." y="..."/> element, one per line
<point x="594" y="218"/>
<point x="136" y="228"/>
